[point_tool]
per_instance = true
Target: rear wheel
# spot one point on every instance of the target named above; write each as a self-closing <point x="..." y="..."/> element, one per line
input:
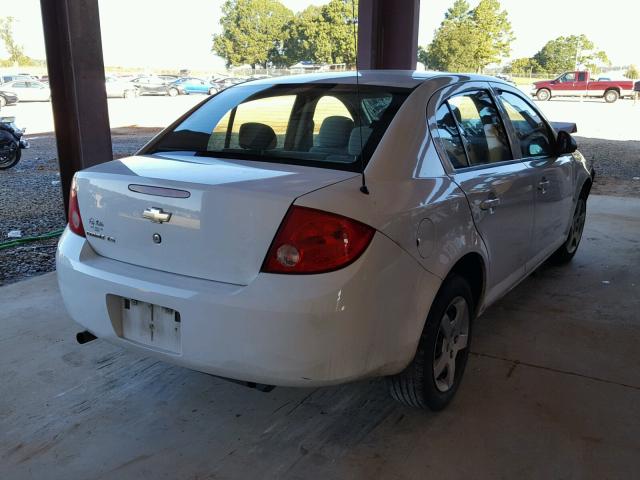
<point x="569" y="248"/>
<point x="3" y="101"/>
<point x="433" y="377"/>
<point x="9" y="155"/>
<point x="173" y="92"/>
<point x="543" y="95"/>
<point x="212" y="91"/>
<point x="611" y="96"/>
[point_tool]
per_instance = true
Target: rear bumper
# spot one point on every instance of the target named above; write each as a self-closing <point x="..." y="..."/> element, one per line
<point x="360" y="321"/>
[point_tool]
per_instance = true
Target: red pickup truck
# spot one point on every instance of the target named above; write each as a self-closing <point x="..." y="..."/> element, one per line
<point x="579" y="84"/>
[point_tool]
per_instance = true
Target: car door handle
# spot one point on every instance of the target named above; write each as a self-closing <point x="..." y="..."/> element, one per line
<point x="489" y="204"/>
<point x="542" y="186"/>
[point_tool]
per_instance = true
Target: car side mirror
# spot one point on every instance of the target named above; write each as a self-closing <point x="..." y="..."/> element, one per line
<point x="535" y="150"/>
<point x="565" y="143"/>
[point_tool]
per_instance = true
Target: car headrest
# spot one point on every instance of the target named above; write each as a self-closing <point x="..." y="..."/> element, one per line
<point x="356" y="143"/>
<point x="334" y="131"/>
<point x="456" y="112"/>
<point x="257" y="136"/>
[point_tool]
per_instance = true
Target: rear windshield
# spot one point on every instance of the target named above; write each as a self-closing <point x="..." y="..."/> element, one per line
<point x="321" y="125"/>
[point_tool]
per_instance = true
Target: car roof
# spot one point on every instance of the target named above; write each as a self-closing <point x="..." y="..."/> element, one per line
<point x="389" y="78"/>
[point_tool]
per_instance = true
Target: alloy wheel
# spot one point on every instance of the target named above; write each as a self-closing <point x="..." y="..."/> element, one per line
<point x="452" y="338"/>
<point x="577" y="226"/>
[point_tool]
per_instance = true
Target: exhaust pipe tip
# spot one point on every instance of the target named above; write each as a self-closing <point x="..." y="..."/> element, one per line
<point x="85" y="337"/>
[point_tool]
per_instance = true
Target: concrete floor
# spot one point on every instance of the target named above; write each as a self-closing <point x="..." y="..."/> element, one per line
<point x="551" y="391"/>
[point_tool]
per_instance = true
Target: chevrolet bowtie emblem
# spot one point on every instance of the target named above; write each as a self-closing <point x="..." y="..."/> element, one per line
<point x="156" y="215"/>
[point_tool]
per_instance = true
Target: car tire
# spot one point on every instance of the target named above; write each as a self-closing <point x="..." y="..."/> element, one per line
<point x="433" y="376"/>
<point x="543" y="94"/>
<point x="11" y="157"/>
<point x="173" y="92"/>
<point x="128" y="94"/>
<point x="3" y="102"/>
<point x="567" y="251"/>
<point x="212" y="91"/>
<point x="611" y="96"/>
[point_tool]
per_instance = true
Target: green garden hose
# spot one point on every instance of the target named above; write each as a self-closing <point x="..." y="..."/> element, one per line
<point x="20" y="241"/>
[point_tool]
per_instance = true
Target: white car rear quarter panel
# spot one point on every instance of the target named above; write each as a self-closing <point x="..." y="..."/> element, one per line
<point x="292" y="330"/>
<point x="407" y="184"/>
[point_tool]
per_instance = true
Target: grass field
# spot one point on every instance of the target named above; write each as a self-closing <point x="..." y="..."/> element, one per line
<point x="520" y="81"/>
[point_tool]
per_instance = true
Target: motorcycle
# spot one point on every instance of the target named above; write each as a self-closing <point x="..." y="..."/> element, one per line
<point x="11" y="143"/>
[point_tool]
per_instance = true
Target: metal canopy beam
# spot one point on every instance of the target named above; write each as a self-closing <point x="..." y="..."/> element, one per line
<point x="76" y="76"/>
<point x="388" y="34"/>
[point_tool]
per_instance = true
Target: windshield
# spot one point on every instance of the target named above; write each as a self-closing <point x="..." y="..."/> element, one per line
<point x="322" y="125"/>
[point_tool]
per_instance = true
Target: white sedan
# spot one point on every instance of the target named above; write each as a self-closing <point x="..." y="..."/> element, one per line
<point x="310" y="231"/>
<point x="29" y="90"/>
<point x="116" y="87"/>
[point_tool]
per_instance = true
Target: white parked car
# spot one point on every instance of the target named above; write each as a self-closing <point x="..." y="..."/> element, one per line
<point x="246" y="242"/>
<point x="29" y="90"/>
<point x="116" y="87"/>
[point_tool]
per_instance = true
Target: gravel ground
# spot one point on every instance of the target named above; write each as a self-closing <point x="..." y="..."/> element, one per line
<point x="32" y="199"/>
<point x="617" y="165"/>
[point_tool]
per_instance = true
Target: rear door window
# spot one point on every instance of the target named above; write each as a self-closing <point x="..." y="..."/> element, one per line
<point x="481" y="128"/>
<point x="450" y="137"/>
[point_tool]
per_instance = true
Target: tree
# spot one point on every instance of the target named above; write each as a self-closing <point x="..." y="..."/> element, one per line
<point x="423" y="56"/>
<point x="303" y="31"/>
<point x="632" y="73"/>
<point x="340" y="41"/>
<point x="469" y="40"/>
<point x="523" y="66"/>
<point x="451" y="48"/>
<point x="323" y="34"/>
<point x="15" y="51"/>
<point x="494" y="35"/>
<point x="566" y="53"/>
<point x="253" y="32"/>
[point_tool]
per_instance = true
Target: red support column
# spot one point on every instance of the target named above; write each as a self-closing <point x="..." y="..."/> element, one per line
<point x="76" y="75"/>
<point x="388" y="34"/>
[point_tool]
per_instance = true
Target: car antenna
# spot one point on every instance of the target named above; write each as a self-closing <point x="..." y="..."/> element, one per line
<point x="363" y="187"/>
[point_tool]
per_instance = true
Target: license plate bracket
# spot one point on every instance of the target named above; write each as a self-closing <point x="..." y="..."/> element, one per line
<point x="151" y="325"/>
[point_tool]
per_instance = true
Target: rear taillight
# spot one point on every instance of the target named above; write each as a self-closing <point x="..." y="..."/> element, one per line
<point x="75" y="220"/>
<point x="313" y="241"/>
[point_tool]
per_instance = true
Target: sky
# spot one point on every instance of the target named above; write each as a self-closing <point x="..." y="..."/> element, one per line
<point x="137" y="33"/>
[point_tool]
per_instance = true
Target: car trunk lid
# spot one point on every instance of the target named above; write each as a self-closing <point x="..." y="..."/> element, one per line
<point x="202" y="217"/>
